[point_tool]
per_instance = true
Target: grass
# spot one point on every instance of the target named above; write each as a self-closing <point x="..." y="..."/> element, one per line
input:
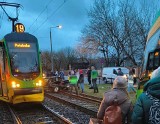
<point x="102" y="89"/>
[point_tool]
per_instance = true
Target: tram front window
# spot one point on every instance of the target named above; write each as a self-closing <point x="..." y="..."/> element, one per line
<point x="23" y="57"/>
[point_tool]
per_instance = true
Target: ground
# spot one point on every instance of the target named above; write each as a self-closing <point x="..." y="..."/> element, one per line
<point x="103" y="88"/>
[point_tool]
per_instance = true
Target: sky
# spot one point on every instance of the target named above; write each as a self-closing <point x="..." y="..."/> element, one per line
<point x="39" y="15"/>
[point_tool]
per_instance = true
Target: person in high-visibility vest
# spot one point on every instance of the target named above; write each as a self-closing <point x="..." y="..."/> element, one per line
<point x="73" y="82"/>
<point x="94" y="75"/>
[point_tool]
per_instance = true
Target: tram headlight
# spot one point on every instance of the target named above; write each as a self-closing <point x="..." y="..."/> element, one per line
<point x="15" y="85"/>
<point x="18" y="85"/>
<point x="39" y="83"/>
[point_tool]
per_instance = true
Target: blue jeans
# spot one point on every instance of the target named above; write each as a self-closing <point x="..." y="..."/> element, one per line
<point x="82" y="86"/>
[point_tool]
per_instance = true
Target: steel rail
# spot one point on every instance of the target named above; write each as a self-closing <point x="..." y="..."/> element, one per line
<point x="15" y="117"/>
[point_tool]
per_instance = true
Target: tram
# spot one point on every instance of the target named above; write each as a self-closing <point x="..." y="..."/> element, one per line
<point x="151" y="54"/>
<point x="20" y="68"/>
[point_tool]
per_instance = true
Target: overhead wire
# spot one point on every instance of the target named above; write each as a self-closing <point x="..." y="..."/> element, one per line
<point x="59" y="7"/>
<point x="40" y="14"/>
<point x="1" y="17"/>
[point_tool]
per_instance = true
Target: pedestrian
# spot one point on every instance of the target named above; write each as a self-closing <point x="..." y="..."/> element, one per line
<point x="89" y="77"/>
<point x="73" y="82"/>
<point x="81" y="81"/>
<point x="120" y="94"/>
<point x="61" y="74"/>
<point x="119" y="73"/>
<point x="147" y="107"/>
<point x="56" y="73"/>
<point x="77" y="73"/>
<point x="72" y="72"/>
<point x="94" y="75"/>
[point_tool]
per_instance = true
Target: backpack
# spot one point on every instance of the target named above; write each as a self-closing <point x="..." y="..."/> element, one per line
<point x="113" y="113"/>
<point x="154" y="111"/>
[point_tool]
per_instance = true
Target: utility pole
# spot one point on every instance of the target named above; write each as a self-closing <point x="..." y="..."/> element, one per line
<point x="11" y="18"/>
<point x="58" y="26"/>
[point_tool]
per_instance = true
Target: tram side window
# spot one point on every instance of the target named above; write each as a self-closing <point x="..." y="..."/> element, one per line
<point x="150" y="61"/>
<point x="156" y="59"/>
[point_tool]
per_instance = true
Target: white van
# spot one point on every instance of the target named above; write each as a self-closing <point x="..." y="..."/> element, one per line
<point x="108" y="73"/>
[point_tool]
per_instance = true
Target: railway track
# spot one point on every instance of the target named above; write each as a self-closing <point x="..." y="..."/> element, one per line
<point x="83" y="97"/>
<point x="6" y="116"/>
<point x="73" y="113"/>
<point x="31" y="113"/>
<point x="86" y="105"/>
<point x="50" y="112"/>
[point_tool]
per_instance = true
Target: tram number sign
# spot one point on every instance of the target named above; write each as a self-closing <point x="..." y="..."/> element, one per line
<point x="19" y="28"/>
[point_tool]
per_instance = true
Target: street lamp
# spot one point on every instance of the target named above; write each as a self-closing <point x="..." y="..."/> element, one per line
<point x="58" y="26"/>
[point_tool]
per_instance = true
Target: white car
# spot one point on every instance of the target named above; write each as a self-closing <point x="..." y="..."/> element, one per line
<point x="108" y="73"/>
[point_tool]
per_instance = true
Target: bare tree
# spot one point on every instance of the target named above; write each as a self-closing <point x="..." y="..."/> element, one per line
<point x="118" y="29"/>
<point x="46" y="61"/>
<point x="61" y="59"/>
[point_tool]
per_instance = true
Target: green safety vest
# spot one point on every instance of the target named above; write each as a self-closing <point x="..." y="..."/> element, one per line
<point x="73" y="79"/>
<point x="140" y="87"/>
<point x="94" y="74"/>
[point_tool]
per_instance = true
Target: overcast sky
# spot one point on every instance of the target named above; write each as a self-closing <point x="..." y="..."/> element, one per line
<point x="39" y="15"/>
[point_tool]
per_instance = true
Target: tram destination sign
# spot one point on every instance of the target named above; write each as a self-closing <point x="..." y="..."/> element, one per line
<point x="22" y="45"/>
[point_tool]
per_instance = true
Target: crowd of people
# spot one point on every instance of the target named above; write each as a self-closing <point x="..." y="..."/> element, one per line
<point x="146" y="109"/>
<point x="76" y="79"/>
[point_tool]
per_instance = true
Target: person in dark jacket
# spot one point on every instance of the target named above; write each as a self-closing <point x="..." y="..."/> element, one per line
<point x="81" y="82"/>
<point x="119" y="93"/>
<point x="89" y="77"/>
<point x="142" y="110"/>
<point x="119" y="73"/>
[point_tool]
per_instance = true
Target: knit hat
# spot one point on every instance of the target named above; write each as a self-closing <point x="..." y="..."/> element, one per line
<point x="156" y="73"/>
<point x="120" y="82"/>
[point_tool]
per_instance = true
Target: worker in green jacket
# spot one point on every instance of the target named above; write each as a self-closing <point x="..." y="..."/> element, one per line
<point x="73" y="82"/>
<point x="94" y="75"/>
